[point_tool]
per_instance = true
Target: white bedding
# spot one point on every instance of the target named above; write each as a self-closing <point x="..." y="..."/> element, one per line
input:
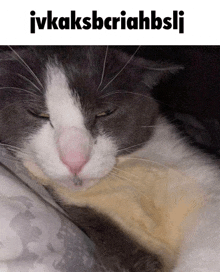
<point x="34" y="235"/>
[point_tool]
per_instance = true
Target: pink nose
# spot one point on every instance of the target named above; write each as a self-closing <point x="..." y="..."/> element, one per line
<point x="74" y="145"/>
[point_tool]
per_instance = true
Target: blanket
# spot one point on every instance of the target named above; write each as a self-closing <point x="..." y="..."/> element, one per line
<point x="153" y="203"/>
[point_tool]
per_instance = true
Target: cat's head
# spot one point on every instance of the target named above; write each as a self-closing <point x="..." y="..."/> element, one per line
<point x="68" y="112"/>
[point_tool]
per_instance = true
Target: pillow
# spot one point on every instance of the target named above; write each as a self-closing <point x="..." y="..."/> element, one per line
<point x="35" y="236"/>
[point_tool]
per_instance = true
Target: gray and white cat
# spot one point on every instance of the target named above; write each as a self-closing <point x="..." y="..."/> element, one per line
<point x="68" y="112"/>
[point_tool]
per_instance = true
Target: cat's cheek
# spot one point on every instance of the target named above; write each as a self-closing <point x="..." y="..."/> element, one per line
<point x="41" y="152"/>
<point x="94" y="170"/>
<point x="102" y="160"/>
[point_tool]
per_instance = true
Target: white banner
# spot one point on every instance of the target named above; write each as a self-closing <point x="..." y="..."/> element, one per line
<point x="109" y="22"/>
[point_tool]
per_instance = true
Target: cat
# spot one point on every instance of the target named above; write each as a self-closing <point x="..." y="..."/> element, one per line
<point x="67" y="113"/>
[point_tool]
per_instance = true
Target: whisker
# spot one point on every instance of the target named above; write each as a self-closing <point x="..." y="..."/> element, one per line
<point x="134" y="190"/>
<point x="119" y="176"/>
<point x="177" y="170"/>
<point x="19" y="89"/>
<point x="103" y="69"/>
<point x="14" y="148"/>
<point x="6" y="59"/>
<point x="11" y="159"/>
<point x="147" y="160"/>
<point x="166" y="68"/>
<point x="149" y="126"/>
<point x="8" y="145"/>
<point x="118" y="92"/>
<point x="132" y="146"/>
<point x="126" y="172"/>
<point x="34" y="85"/>
<point x="138" y="94"/>
<point x="121" y="69"/>
<point x="26" y="65"/>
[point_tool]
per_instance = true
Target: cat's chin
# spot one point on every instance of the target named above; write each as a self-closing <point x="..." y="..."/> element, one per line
<point x="76" y="186"/>
<point x="71" y="182"/>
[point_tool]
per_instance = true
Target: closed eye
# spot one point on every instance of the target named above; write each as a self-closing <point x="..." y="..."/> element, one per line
<point x="39" y="115"/>
<point x="44" y="115"/>
<point x="105" y="113"/>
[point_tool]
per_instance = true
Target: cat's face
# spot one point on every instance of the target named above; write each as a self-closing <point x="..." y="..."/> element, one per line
<point x="68" y="112"/>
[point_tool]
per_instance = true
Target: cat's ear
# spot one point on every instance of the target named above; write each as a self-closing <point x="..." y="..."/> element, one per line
<point x="151" y="72"/>
<point x="155" y="72"/>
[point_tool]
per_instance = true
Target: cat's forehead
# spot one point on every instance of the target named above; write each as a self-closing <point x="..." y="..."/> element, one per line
<point x="84" y="59"/>
<point x="82" y="66"/>
<point x="63" y="104"/>
<point x="88" y="69"/>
